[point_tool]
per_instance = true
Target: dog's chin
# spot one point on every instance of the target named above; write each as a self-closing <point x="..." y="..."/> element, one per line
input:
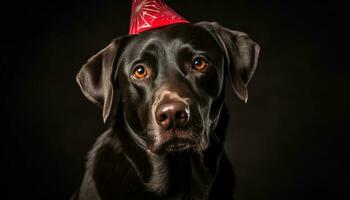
<point x="177" y="141"/>
<point x="177" y="145"/>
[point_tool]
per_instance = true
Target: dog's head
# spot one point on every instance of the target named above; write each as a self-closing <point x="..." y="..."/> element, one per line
<point x="168" y="82"/>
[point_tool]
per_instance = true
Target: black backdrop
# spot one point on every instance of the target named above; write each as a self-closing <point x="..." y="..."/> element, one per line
<point x="289" y="142"/>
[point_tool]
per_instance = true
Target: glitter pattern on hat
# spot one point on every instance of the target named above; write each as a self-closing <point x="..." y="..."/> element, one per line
<point x="149" y="14"/>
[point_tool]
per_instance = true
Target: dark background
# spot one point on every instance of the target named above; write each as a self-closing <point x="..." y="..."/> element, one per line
<point x="291" y="140"/>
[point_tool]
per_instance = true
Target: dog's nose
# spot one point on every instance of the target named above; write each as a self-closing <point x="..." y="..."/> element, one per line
<point x="172" y="115"/>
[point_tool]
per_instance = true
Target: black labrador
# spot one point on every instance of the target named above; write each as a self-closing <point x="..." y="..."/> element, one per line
<point x="162" y="94"/>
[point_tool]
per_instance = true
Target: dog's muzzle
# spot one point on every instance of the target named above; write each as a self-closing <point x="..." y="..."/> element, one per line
<point x="173" y="121"/>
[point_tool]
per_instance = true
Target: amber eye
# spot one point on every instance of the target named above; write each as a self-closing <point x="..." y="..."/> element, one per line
<point x="140" y="71"/>
<point x="199" y="63"/>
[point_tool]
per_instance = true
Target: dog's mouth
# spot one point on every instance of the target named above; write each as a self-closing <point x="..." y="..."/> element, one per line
<point x="177" y="145"/>
<point x="176" y="140"/>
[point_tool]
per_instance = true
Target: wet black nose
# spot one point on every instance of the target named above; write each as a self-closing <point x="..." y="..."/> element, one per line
<point x="174" y="114"/>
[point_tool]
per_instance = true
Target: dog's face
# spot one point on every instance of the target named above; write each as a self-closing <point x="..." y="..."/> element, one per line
<point x="169" y="82"/>
<point x="169" y="79"/>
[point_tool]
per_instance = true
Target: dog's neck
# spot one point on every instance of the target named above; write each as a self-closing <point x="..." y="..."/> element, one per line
<point x="174" y="174"/>
<point x="159" y="179"/>
<point x="179" y="173"/>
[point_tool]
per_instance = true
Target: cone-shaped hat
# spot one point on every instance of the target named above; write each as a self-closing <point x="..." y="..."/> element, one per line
<point x="149" y="14"/>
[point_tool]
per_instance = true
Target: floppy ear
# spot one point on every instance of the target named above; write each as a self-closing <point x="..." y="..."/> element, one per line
<point x="241" y="52"/>
<point x="96" y="77"/>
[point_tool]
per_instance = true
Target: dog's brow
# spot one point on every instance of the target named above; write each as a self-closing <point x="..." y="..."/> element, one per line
<point x="188" y="43"/>
<point x="193" y="46"/>
<point x="151" y="50"/>
<point x="175" y="43"/>
<point x="193" y="43"/>
<point x="149" y="55"/>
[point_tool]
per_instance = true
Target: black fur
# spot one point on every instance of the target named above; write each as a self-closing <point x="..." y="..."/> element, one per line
<point x="126" y="162"/>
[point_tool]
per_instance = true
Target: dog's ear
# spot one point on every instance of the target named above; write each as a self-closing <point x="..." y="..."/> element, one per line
<point x="241" y="52"/>
<point x="96" y="77"/>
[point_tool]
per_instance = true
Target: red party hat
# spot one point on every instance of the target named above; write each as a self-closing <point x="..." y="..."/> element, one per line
<point x="149" y="14"/>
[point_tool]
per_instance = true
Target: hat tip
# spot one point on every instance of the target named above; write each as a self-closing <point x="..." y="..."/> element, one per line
<point x="149" y="14"/>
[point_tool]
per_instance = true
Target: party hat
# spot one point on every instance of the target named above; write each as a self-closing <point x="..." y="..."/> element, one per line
<point x="149" y="14"/>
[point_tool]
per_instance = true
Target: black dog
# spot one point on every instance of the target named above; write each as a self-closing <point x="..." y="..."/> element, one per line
<point x="162" y="93"/>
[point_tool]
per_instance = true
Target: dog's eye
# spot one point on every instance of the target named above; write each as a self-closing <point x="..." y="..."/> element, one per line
<point x="199" y="63"/>
<point x="140" y="72"/>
